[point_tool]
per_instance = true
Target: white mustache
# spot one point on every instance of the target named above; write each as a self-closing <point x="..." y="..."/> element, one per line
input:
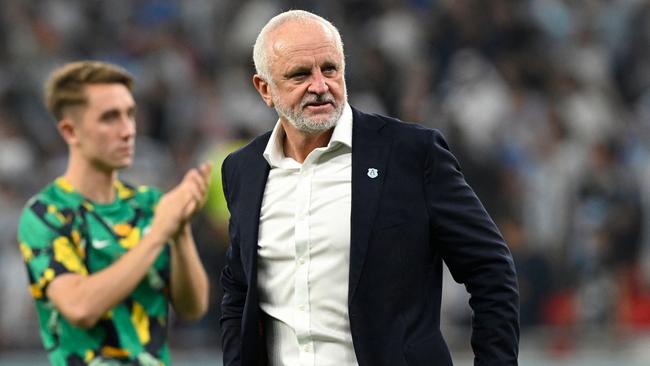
<point x="317" y="98"/>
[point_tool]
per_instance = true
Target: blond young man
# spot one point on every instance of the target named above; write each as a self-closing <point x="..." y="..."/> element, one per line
<point x="105" y="258"/>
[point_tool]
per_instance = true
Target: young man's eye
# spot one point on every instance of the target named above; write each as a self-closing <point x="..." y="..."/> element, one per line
<point x="109" y="117"/>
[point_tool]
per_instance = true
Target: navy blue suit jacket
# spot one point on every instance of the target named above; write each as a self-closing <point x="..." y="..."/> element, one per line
<point x="416" y="213"/>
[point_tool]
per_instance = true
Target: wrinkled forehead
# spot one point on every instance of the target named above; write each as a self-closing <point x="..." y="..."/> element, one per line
<point x="302" y="36"/>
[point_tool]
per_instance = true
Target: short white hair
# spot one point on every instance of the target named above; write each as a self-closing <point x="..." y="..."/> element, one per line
<point x="260" y="50"/>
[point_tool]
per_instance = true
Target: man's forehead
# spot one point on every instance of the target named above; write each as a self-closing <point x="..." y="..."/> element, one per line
<point x="301" y="34"/>
<point x="102" y="98"/>
<point x="107" y="93"/>
<point x="299" y="42"/>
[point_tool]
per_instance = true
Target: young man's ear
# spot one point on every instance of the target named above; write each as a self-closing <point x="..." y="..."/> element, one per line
<point x="68" y="129"/>
<point x="264" y="89"/>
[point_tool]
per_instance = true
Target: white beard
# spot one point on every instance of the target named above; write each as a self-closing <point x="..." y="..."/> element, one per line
<point x="305" y="124"/>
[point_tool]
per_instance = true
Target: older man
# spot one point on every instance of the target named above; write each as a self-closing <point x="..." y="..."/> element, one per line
<point x="340" y="223"/>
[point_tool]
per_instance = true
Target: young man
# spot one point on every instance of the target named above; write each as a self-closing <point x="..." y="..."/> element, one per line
<point x="340" y="223"/>
<point x="104" y="257"/>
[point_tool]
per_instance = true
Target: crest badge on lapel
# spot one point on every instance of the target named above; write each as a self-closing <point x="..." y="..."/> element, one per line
<point x="373" y="173"/>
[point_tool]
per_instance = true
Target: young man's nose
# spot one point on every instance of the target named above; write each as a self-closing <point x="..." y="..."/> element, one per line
<point x="127" y="126"/>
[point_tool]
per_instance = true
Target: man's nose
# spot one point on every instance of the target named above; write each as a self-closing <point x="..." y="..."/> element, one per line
<point x="318" y="83"/>
<point x="128" y="126"/>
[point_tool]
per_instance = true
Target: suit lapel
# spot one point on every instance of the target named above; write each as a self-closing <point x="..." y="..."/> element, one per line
<point x="370" y="152"/>
<point x="255" y="176"/>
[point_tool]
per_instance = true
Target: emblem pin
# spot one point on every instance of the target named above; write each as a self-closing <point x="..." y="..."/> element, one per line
<point x="373" y="173"/>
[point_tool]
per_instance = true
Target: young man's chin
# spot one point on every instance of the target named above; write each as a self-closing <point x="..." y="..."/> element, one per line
<point x="125" y="164"/>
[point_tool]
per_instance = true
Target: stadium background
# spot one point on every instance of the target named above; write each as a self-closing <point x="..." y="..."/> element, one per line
<point x="545" y="102"/>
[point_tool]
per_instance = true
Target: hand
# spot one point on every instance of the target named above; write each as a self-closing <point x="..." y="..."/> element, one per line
<point x="199" y="181"/>
<point x="179" y="205"/>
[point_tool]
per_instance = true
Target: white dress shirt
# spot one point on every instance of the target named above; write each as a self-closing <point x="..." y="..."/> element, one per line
<point x="304" y="252"/>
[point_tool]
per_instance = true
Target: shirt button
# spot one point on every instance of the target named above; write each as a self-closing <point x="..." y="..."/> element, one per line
<point x="301" y="260"/>
<point x="301" y="307"/>
<point x="306" y="348"/>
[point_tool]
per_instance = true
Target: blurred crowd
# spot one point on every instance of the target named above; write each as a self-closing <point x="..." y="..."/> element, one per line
<point x="546" y="103"/>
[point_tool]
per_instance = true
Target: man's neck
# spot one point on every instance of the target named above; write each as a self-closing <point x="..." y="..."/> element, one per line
<point x="92" y="183"/>
<point x="297" y="145"/>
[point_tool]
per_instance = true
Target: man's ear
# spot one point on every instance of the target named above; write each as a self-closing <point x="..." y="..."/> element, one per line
<point x="264" y="89"/>
<point x="68" y="129"/>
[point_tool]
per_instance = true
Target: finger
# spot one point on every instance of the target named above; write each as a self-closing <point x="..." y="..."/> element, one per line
<point x="192" y="208"/>
<point x="184" y="198"/>
<point x="200" y="175"/>
<point x="189" y="210"/>
<point x="193" y="181"/>
<point x="198" y="191"/>
<point x="197" y="194"/>
<point x="197" y="182"/>
<point x="192" y="197"/>
<point x="191" y="175"/>
<point x="203" y="194"/>
<point x="206" y="169"/>
<point x="204" y="183"/>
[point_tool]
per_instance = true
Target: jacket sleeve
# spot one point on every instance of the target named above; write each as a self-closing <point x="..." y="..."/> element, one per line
<point x="477" y="256"/>
<point x="234" y="286"/>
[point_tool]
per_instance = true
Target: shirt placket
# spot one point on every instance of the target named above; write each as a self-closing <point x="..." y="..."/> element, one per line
<point x="303" y="260"/>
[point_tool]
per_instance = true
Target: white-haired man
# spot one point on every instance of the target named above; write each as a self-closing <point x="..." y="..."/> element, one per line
<point x="340" y="223"/>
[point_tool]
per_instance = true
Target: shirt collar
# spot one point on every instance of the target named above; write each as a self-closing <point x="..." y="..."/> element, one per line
<point x="342" y="134"/>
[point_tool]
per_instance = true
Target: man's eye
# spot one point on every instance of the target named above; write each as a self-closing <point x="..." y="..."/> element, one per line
<point x="109" y="117"/>
<point x="299" y="75"/>
<point x="329" y="70"/>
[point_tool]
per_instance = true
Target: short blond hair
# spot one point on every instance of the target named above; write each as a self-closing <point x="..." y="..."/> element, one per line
<point x="65" y="86"/>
